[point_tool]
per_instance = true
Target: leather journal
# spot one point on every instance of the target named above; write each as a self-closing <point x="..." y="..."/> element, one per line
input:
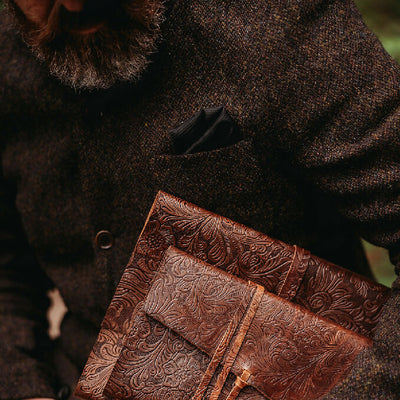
<point x="260" y="319"/>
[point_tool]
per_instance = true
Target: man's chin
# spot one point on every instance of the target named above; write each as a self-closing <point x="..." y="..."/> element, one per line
<point x="97" y="61"/>
<point x="98" y="56"/>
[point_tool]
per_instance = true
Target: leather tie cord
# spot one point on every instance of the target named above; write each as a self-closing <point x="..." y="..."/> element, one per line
<point x="224" y="343"/>
<point x="237" y="344"/>
<point x="289" y="270"/>
<point x="216" y="359"/>
<point x="298" y="267"/>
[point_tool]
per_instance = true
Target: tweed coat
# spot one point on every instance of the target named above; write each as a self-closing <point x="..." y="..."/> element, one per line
<point x="317" y="101"/>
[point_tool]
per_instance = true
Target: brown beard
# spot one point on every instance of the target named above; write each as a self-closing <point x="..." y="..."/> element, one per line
<point x="118" y="52"/>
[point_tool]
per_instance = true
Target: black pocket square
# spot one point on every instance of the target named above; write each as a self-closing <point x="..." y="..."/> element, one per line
<point x="208" y="129"/>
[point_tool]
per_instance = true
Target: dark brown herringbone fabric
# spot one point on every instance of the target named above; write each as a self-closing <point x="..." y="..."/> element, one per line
<point x="312" y="91"/>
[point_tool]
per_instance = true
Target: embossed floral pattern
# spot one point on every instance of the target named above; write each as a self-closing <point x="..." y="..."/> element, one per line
<point x="155" y="239"/>
<point x="156" y="364"/>
<point x="338" y="295"/>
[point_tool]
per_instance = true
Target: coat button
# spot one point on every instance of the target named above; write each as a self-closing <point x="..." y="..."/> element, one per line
<point x="104" y="240"/>
<point x="64" y="392"/>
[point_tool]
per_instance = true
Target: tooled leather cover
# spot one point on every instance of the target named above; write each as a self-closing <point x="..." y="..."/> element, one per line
<point x="321" y="287"/>
<point x="289" y="352"/>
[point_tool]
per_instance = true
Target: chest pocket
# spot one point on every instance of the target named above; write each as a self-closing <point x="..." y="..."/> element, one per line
<point x="228" y="181"/>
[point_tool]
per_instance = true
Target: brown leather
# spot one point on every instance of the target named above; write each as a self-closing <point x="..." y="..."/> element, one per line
<point x="279" y="349"/>
<point x="319" y="286"/>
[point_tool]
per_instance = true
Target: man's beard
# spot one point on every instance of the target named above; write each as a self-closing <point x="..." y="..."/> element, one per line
<point x="117" y="52"/>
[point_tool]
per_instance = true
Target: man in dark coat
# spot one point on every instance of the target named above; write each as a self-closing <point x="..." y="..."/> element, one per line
<point x="90" y="92"/>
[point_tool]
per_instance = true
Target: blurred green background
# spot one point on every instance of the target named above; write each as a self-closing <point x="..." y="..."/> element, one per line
<point x="383" y="17"/>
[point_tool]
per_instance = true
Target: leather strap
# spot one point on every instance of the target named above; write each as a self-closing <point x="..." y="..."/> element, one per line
<point x="290" y="285"/>
<point x="216" y="359"/>
<point x="224" y="344"/>
<point x="237" y="344"/>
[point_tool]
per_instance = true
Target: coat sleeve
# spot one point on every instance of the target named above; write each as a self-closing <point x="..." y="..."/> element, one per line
<point x="24" y="344"/>
<point x="337" y="119"/>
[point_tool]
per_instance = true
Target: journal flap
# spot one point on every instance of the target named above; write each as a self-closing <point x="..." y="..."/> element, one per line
<point x="195" y="300"/>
